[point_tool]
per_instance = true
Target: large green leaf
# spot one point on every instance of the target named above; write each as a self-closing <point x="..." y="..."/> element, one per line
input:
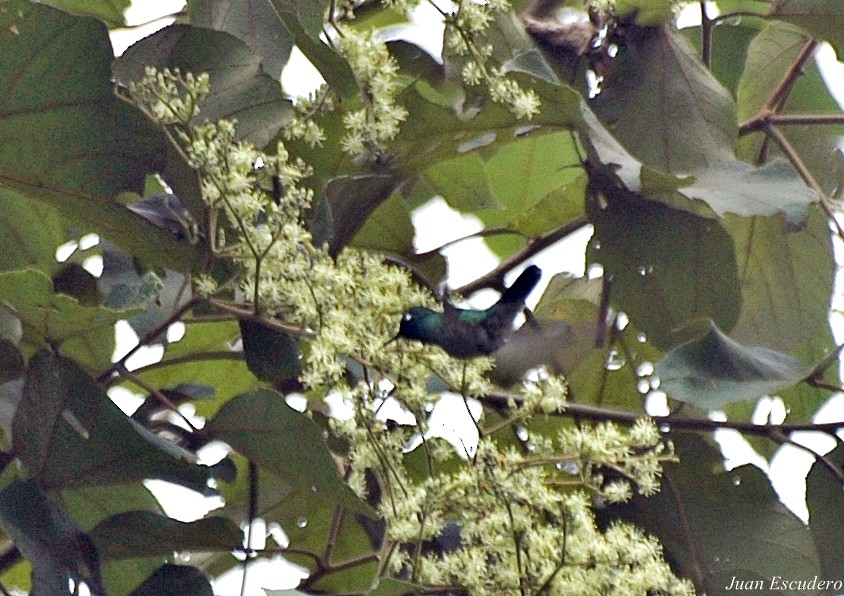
<point x="65" y="139"/>
<point x="821" y="18"/>
<point x="769" y="58"/>
<point x="145" y="533"/>
<point x="739" y="188"/>
<point x="240" y="90"/>
<point x="69" y="434"/>
<point x="763" y="539"/>
<point x="665" y="107"/>
<point x="84" y="332"/>
<point x="262" y="427"/>
<point x="712" y="371"/>
<point x="669" y="267"/>
<point x="786" y="279"/>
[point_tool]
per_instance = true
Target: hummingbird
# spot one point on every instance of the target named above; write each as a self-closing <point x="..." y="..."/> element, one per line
<point x="465" y="333"/>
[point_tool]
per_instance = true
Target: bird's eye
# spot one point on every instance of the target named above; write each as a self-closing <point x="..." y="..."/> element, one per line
<point x="407" y="316"/>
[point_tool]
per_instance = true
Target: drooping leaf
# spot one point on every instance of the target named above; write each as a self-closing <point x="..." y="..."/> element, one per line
<point x="763" y="538"/>
<point x="739" y="188"/>
<point x="89" y="505"/>
<point x="84" y="332"/>
<point x="69" y="434"/>
<point x="176" y="580"/>
<point x="53" y="544"/>
<point x="261" y="426"/>
<point x="145" y="533"/>
<point x="712" y="371"/>
<point x="240" y="90"/>
<point x="351" y="200"/>
<point x="98" y="145"/>
<point x="665" y="107"/>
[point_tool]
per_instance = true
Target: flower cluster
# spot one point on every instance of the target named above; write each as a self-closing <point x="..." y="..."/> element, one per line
<point x="464" y="35"/>
<point x="167" y="96"/>
<point x="377" y="75"/>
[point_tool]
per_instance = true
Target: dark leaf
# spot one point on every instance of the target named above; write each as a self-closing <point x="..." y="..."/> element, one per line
<point x="665" y="107"/>
<point x="713" y="371"/>
<point x="271" y="355"/>
<point x="351" y="200"/>
<point x="825" y="500"/>
<point x="175" y="580"/>
<point x="763" y="538"/>
<point x="240" y="90"/>
<point x="68" y="433"/>
<point x="145" y="533"/>
<point x="54" y="545"/>
<point x="669" y="267"/>
<point x="253" y="22"/>
<point x="262" y="427"/>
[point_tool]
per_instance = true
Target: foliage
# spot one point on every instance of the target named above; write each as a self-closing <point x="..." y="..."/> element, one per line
<point x="277" y="231"/>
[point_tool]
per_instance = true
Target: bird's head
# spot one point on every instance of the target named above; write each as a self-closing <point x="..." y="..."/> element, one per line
<point x="416" y="323"/>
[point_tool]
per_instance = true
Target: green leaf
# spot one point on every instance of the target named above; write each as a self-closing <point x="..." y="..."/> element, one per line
<point x="84" y="332"/>
<point x="270" y="354"/>
<point x="763" y="538"/>
<point x="739" y="188"/>
<point x="145" y="533"/>
<point x="669" y="267"/>
<point x="254" y="22"/>
<point x="712" y="371"/>
<point x="54" y="545"/>
<point x="112" y="12"/>
<point x="262" y="427"/>
<point x="665" y="107"/>
<point x="821" y="18"/>
<point x="730" y="41"/>
<point x="307" y="522"/>
<point x="352" y="199"/>
<point x="176" y="580"/>
<point x="240" y="90"/>
<point x="32" y="234"/>
<point x="69" y="434"/>
<point x="823" y="498"/>
<point x="65" y="139"/>
<point x="786" y="280"/>
<point x="462" y="182"/>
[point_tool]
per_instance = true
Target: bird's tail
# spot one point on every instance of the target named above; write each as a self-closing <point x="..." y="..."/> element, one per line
<point x="523" y="286"/>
